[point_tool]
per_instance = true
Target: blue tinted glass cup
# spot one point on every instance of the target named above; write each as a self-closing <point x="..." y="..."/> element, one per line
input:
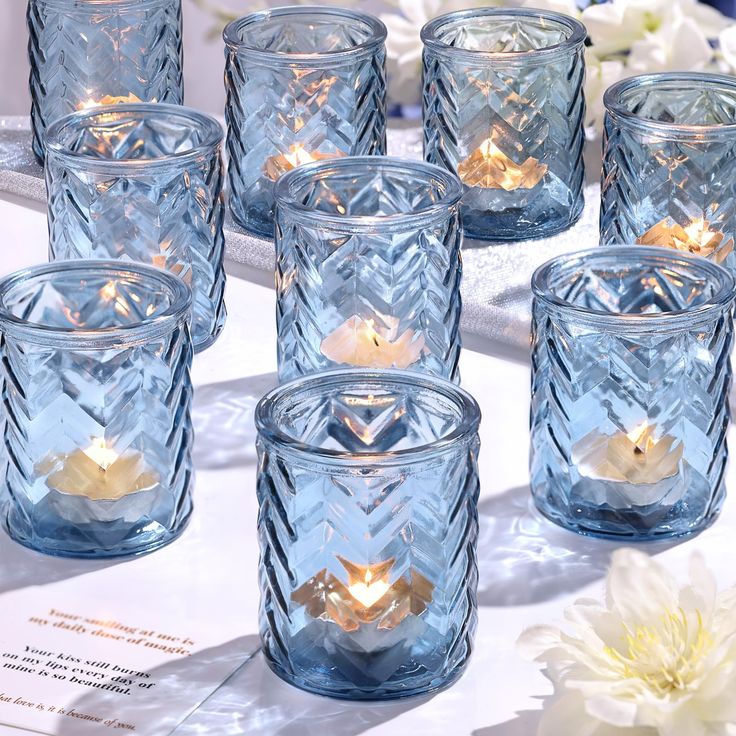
<point x="669" y="152"/>
<point x="630" y="380"/>
<point x="504" y="109"/>
<point x="85" y="53"/>
<point x="303" y="84"/>
<point x="368" y="267"/>
<point x="368" y="487"/>
<point x="143" y="183"/>
<point x="96" y="395"/>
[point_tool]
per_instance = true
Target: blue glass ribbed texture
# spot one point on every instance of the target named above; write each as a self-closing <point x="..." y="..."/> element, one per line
<point x="504" y="109"/>
<point x="302" y="84"/>
<point x="630" y="382"/>
<point x="669" y="153"/>
<point x="84" y="53"/>
<point x="94" y="366"/>
<point x="143" y="183"/>
<point x="368" y="489"/>
<point x="368" y="267"/>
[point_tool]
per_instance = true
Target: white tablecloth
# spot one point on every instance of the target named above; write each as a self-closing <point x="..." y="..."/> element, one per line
<point x="529" y="569"/>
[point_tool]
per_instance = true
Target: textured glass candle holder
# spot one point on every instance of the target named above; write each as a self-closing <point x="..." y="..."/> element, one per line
<point x="669" y="156"/>
<point x="368" y="487"/>
<point x="143" y="183"/>
<point x="630" y="381"/>
<point x="368" y="267"/>
<point x="303" y="84"/>
<point x="94" y="52"/>
<point x="504" y="109"/>
<point x="94" y="365"/>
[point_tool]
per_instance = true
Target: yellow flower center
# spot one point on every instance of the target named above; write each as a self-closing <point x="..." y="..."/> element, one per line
<point x="666" y="657"/>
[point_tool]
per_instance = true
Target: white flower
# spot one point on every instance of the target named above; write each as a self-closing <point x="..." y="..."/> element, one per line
<point x="404" y="46"/>
<point x="727" y="45"/>
<point x="616" y="26"/>
<point x="679" y="44"/>
<point x="599" y="76"/>
<point x="653" y="659"/>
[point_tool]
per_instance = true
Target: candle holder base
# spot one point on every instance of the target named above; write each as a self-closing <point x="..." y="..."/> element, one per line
<point x="512" y="225"/>
<point x="330" y="662"/>
<point x="646" y="523"/>
<point x="54" y="535"/>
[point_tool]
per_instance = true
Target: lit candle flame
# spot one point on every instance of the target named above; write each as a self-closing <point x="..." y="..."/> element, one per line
<point x="297" y="155"/>
<point x="109" y="100"/>
<point x="357" y="342"/>
<point x="367" y="599"/>
<point x="488" y="167"/>
<point x="97" y="472"/>
<point x="633" y="457"/>
<point x="697" y="237"/>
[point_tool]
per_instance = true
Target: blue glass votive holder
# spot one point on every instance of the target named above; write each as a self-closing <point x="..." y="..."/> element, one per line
<point x="368" y="267"/>
<point x="303" y="84"/>
<point x="143" y="183"/>
<point x="85" y="53"/>
<point x="630" y="380"/>
<point x="368" y="487"/>
<point x="669" y="153"/>
<point x="94" y="364"/>
<point x="504" y="109"/>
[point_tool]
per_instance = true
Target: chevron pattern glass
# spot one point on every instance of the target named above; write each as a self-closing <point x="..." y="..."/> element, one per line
<point x="630" y="380"/>
<point x="94" y="368"/>
<point x="669" y="155"/>
<point x="303" y="84"/>
<point x="143" y="183"/>
<point x="504" y="109"/>
<point x="368" y="267"/>
<point x="368" y="488"/>
<point x="84" y="53"/>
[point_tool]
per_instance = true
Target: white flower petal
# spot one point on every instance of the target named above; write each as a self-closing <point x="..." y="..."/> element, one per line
<point x="727" y="44"/>
<point x="639" y="588"/>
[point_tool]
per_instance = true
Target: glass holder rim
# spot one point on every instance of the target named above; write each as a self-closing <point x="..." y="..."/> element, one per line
<point x="616" y="109"/>
<point x="91" y="7"/>
<point x="430" y="40"/>
<point x="463" y="434"/>
<point x="234" y="42"/>
<point x="103" y="338"/>
<point x="650" y="322"/>
<point x="212" y="130"/>
<point x="399" y="221"/>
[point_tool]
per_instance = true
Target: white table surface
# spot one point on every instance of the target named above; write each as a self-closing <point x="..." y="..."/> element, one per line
<point x="529" y="569"/>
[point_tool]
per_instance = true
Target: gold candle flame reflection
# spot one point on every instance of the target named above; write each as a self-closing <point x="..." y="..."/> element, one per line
<point x="368" y="597"/>
<point x="697" y="237"/>
<point x="488" y="167"/>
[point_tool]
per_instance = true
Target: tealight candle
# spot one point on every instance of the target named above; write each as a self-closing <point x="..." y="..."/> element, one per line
<point x="95" y="361"/>
<point x="698" y="237"/>
<point x="87" y="54"/>
<point x="303" y="84"/>
<point x="98" y="473"/>
<point x="668" y="156"/>
<point x="357" y="342"/>
<point x="368" y="267"/>
<point x="628" y="457"/>
<point x="488" y="167"/>
<point x="617" y="330"/>
<point x="503" y="108"/>
<point x="367" y="490"/>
